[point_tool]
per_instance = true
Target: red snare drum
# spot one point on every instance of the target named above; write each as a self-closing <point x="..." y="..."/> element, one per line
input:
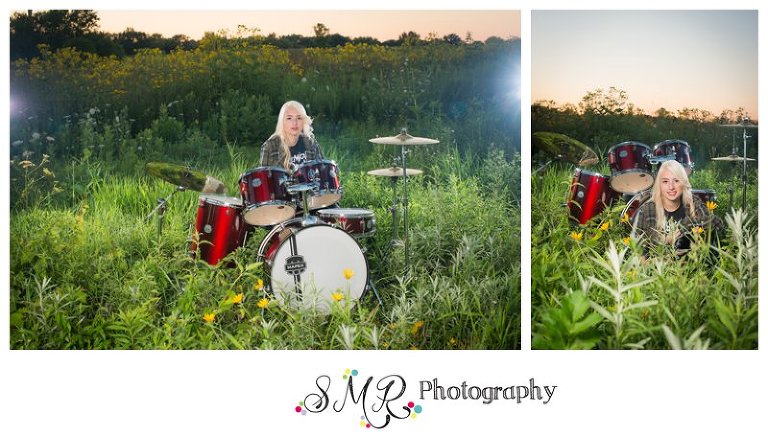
<point x="677" y="150"/>
<point x="630" y="168"/>
<point x="219" y="227"/>
<point x="325" y="175"/>
<point x="359" y="223"/>
<point x="265" y="193"/>
<point x="590" y="194"/>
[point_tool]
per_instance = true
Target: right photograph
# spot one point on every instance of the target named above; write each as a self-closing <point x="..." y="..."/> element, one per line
<point x="644" y="182"/>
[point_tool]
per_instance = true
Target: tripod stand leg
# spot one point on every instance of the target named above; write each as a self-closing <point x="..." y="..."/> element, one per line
<point x="376" y="293"/>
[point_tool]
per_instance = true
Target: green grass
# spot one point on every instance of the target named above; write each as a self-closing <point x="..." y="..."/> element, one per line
<point x="600" y="292"/>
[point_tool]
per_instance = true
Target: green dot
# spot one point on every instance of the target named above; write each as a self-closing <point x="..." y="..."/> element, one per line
<point x="344" y="376"/>
<point x="301" y="403"/>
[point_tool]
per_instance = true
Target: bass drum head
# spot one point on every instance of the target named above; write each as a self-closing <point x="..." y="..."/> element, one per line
<point x="309" y="266"/>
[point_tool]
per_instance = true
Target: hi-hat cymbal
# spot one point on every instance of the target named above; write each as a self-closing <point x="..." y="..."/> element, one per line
<point x="185" y="177"/>
<point x="404" y="139"/>
<point x="733" y="158"/>
<point x="395" y="172"/>
<point x="742" y="125"/>
<point x="564" y="147"/>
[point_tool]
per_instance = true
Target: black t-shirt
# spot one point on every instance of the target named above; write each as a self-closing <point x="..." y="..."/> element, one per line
<point x="677" y="215"/>
<point x="298" y="152"/>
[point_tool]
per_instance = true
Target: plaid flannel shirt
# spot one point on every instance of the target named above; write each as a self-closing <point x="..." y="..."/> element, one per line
<point x="645" y="221"/>
<point x="273" y="155"/>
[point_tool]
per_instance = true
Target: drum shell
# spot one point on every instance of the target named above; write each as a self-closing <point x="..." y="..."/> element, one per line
<point x="590" y="194"/>
<point x="357" y="222"/>
<point x="630" y="169"/>
<point x="265" y="195"/>
<point x="325" y="174"/>
<point x="680" y="149"/>
<point x="219" y="228"/>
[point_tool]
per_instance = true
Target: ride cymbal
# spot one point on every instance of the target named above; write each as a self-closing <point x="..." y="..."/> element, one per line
<point x="395" y="172"/>
<point x="733" y="158"/>
<point x="743" y="125"/>
<point x="185" y="177"/>
<point x="564" y="147"/>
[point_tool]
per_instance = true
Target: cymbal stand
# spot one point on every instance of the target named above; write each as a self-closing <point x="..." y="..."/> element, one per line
<point x="549" y="162"/>
<point x="405" y="209"/>
<point x="393" y="209"/>
<point x="744" y="171"/>
<point x="162" y="205"/>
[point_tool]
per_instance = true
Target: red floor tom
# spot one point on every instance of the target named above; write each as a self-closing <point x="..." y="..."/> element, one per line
<point x="590" y="194"/>
<point x="219" y="228"/>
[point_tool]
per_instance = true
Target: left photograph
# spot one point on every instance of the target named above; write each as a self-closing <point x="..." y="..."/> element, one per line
<point x="264" y="180"/>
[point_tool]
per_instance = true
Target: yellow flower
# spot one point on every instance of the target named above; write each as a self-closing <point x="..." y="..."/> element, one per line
<point x="348" y="273"/>
<point x="416" y="327"/>
<point x="209" y="317"/>
<point x="337" y="296"/>
<point x="626" y="240"/>
<point x="259" y="285"/>
<point x="697" y="230"/>
<point x="624" y="218"/>
<point x="605" y="226"/>
<point x="26" y="164"/>
<point x="48" y="173"/>
<point x="263" y="303"/>
<point x="237" y="299"/>
<point x="452" y="342"/>
<point x="577" y="236"/>
<point x="711" y="205"/>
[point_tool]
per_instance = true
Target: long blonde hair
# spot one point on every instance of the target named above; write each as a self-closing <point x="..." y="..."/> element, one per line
<point x="280" y="132"/>
<point x="678" y="171"/>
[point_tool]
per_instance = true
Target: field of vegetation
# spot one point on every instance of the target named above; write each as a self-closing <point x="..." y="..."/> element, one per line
<point x="591" y="285"/>
<point x="89" y="271"/>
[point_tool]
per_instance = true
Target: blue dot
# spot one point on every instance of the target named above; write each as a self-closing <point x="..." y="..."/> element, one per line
<point x="417" y="409"/>
<point x="354" y="372"/>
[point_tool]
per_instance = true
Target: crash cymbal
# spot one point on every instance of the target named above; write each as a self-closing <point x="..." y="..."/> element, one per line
<point x="404" y="139"/>
<point x="733" y="158"/>
<point x="560" y="146"/>
<point x="395" y="172"/>
<point x="185" y="177"/>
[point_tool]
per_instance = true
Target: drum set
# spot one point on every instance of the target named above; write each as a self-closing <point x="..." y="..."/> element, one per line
<point x="313" y="250"/>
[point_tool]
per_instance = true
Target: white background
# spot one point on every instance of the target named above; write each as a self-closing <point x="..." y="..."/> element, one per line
<point x="255" y="392"/>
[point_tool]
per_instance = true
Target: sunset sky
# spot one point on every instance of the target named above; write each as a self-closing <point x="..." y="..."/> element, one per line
<point x="382" y="25"/>
<point x="670" y="59"/>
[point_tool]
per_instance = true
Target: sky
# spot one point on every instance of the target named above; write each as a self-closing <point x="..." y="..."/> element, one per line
<point x="382" y="25"/>
<point x="671" y="59"/>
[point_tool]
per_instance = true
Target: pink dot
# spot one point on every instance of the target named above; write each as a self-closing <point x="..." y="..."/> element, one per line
<point x="367" y="425"/>
<point x="410" y="404"/>
<point x="298" y="408"/>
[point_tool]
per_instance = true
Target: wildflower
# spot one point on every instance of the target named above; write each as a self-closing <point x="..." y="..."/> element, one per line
<point x="697" y="230"/>
<point x="605" y="226"/>
<point x="337" y="296"/>
<point x="259" y="285"/>
<point x="209" y="317"/>
<point x="50" y="139"/>
<point x="626" y="240"/>
<point x="348" y="273"/>
<point x="263" y="303"/>
<point x="416" y="327"/>
<point x="17" y="142"/>
<point x="452" y="342"/>
<point x="711" y="205"/>
<point x="48" y="173"/>
<point x="26" y="164"/>
<point x="35" y="136"/>
<point x="237" y="299"/>
<point x="56" y="190"/>
<point x="577" y="236"/>
<point x="624" y="218"/>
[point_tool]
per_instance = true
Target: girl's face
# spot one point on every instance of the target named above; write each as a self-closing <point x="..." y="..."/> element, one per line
<point x="671" y="186"/>
<point x="293" y="122"/>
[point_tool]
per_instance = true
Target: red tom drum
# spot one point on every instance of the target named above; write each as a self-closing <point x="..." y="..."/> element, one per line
<point x="359" y="223"/>
<point x="324" y="175"/>
<point x="265" y="193"/>
<point x="219" y="228"/>
<point x="630" y="169"/>
<point x="677" y="150"/>
<point x="590" y="194"/>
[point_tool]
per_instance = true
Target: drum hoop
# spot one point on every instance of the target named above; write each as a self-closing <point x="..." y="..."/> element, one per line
<point x="628" y="143"/>
<point x="361" y="213"/>
<point x="261" y="170"/>
<point x="251" y="206"/>
<point x="217" y="202"/>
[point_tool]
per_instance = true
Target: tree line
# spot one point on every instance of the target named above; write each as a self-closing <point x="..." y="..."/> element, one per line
<point x="79" y="29"/>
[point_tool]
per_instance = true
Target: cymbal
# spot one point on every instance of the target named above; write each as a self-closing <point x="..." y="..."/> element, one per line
<point x="564" y="147"/>
<point x="404" y="139"/>
<point x="733" y="158"/>
<point x="395" y="172"/>
<point x="743" y="125"/>
<point x="185" y="177"/>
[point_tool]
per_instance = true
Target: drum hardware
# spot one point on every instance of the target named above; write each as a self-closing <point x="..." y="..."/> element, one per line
<point x="184" y="178"/>
<point x="563" y="147"/>
<point x="324" y="175"/>
<point x="303" y="189"/>
<point x="745" y="124"/>
<point x="394" y="173"/>
<point x="403" y="140"/>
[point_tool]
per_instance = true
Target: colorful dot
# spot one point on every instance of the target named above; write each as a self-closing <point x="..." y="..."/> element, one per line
<point x="413" y="416"/>
<point x="344" y="376"/>
<point x="303" y="412"/>
<point x="362" y="418"/>
<point x="410" y="404"/>
<point x="301" y="403"/>
<point x="417" y="409"/>
<point x="298" y="409"/>
<point x="347" y="371"/>
<point x="354" y="372"/>
<point x="362" y="423"/>
<point x="367" y="425"/>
